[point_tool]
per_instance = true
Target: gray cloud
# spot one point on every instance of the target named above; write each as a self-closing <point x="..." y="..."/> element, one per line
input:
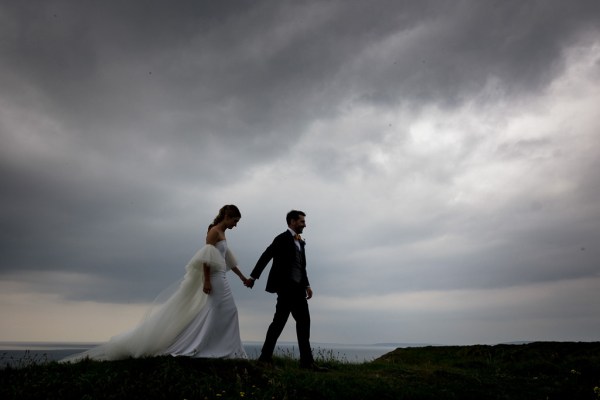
<point x="404" y="125"/>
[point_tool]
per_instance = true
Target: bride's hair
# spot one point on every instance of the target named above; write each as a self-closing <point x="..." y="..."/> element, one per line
<point x="228" y="210"/>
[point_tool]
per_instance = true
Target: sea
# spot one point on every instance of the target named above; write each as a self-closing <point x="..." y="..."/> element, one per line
<point x="20" y="354"/>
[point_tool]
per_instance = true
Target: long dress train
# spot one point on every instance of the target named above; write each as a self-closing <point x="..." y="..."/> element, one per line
<point x="189" y="323"/>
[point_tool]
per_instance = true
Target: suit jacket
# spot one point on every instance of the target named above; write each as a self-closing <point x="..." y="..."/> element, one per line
<point x="283" y="253"/>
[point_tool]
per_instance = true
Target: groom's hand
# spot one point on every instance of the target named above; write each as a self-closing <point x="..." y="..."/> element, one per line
<point x="249" y="283"/>
<point x="308" y="293"/>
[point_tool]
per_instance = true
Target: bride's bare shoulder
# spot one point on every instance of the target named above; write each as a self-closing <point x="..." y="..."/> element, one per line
<point x="214" y="236"/>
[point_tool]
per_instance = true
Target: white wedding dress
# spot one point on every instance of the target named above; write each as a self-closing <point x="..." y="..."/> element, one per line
<point x="190" y="323"/>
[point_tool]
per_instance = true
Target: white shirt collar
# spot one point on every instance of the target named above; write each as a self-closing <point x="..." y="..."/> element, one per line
<point x="296" y="241"/>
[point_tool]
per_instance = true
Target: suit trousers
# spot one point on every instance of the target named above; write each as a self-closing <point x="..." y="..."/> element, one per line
<point x="291" y="300"/>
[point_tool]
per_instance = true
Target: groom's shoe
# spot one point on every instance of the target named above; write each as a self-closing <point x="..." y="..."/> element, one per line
<point x="264" y="363"/>
<point x="314" y="367"/>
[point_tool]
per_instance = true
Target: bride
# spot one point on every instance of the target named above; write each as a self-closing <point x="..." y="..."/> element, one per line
<point x="199" y="320"/>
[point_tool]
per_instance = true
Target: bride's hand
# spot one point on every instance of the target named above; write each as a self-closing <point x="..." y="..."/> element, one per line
<point x="207" y="287"/>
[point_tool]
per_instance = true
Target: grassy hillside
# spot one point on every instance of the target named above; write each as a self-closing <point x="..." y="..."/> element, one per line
<point x="545" y="370"/>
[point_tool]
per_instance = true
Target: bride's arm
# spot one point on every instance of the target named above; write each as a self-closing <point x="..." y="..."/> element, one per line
<point x="207" y="286"/>
<point x="239" y="273"/>
<point x="212" y="237"/>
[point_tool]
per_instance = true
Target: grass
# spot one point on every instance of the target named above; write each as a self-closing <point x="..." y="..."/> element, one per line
<point x="542" y="370"/>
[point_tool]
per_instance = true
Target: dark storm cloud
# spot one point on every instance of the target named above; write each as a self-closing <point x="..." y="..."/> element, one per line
<point x="239" y="72"/>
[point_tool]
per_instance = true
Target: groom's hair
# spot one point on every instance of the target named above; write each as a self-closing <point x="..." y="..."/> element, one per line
<point x="294" y="215"/>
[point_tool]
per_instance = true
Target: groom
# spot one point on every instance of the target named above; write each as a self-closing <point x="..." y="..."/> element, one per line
<point x="288" y="279"/>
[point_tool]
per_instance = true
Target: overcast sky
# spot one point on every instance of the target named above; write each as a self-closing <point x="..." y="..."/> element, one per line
<point x="446" y="154"/>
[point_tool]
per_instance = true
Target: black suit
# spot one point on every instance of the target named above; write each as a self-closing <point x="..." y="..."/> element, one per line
<point x="291" y="293"/>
